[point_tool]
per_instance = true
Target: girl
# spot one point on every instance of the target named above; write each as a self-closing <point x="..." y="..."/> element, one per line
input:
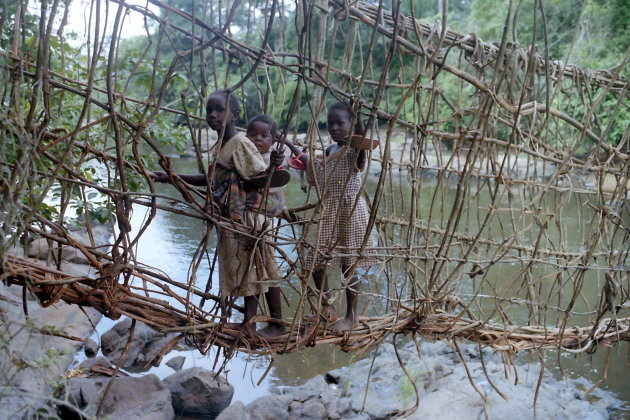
<point x="238" y="161"/>
<point x="344" y="214"/>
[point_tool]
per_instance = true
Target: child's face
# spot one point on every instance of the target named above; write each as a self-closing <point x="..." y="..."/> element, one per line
<point x="260" y="134"/>
<point x="339" y="125"/>
<point x="218" y="111"/>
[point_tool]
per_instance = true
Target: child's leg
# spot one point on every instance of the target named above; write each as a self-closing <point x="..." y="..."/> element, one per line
<point x="320" y="278"/>
<point x="352" y="298"/>
<point x="251" y="307"/>
<point x="274" y="301"/>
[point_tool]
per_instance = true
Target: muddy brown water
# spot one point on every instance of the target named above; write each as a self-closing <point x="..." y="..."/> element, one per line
<point x="171" y="240"/>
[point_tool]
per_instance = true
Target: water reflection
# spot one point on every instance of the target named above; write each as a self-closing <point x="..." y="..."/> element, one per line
<point x="496" y="291"/>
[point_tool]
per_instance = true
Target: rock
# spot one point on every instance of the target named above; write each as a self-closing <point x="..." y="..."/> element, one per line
<point x="235" y="411"/>
<point x="273" y="407"/>
<point x="100" y="360"/>
<point x="145" y="345"/>
<point x="342" y="407"/>
<point x="176" y="363"/>
<point x="330" y="406"/>
<point x="102" y="234"/>
<point x="33" y="361"/>
<point x="313" y="409"/>
<point x="609" y="185"/>
<point x="377" y="387"/>
<point x="90" y="347"/>
<point x="129" y="397"/>
<point x="40" y="246"/>
<point x="443" y="381"/>
<point x="197" y="391"/>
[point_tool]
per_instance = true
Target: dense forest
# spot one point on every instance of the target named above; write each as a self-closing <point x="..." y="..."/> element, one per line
<point x="589" y="34"/>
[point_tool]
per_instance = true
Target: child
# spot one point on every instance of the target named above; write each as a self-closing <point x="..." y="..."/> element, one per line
<point x="262" y="130"/>
<point x="344" y="214"/>
<point x="237" y="162"/>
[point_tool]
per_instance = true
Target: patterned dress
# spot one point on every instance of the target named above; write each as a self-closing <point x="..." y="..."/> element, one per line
<point x="236" y="163"/>
<point x="247" y="267"/>
<point x="343" y="216"/>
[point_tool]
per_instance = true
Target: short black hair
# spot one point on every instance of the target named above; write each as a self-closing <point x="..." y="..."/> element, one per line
<point x="267" y="120"/>
<point x="235" y="104"/>
<point x="340" y="106"/>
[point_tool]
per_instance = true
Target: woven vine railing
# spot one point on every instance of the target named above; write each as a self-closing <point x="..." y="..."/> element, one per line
<point x="498" y="195"/>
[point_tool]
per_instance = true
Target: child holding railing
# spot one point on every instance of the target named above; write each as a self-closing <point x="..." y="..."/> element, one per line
<point x="344" y="214"/>
<point x="246" y="266"/>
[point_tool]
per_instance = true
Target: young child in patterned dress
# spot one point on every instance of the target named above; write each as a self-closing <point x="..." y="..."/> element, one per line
<point x="344" y="214"/>
<point x="238" y="161"/>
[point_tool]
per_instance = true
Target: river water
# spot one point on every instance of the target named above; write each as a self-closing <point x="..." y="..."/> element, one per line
<point x="171" y="240"/>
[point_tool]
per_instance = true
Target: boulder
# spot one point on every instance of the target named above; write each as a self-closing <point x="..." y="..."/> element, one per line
<point x="88" y="363"/>
<point x="273" y="407"/>
<point x="129" y="397"/>
<point x="90" y="347"/>
<point x="34" y="359"/>
<point x="40" y="246"/>
<point x="176" y="363"/>
<point x="197" y="391"/>
<point x="143" y="350"/>
<point x="102" y="234"/>
<point x="236" y="411"/>
<point x="377" y="387"/>
<point x="312" y="401"/>
<point x="311" y="409"/>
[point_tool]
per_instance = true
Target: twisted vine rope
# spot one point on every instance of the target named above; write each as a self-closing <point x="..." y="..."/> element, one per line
<point x="487" y="137"/>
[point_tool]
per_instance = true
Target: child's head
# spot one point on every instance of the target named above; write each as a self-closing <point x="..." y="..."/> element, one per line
<point x="217" y="110"/>
<point x="262" y="131"/>
<point x="339" y="122"/>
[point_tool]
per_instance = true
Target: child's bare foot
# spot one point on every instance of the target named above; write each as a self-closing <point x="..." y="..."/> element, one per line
<point x="343" y="325"/>
<point x="329" y="313"/>
<point x="239" y="326"/>
<point x="272" y="330"/>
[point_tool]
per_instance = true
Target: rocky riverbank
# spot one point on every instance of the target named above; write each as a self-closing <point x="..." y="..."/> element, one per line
<point x="378" y="388"/>
<point x="37" y="345"/>
<point x="35" y="380"/>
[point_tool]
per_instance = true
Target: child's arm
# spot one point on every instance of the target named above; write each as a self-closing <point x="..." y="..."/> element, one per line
<point x="361" y="160"/>
<point x="199" y="180"/>
<point x="297" y="152"/>
<point x="275" y="159"/>
<point x="359" y="129"/>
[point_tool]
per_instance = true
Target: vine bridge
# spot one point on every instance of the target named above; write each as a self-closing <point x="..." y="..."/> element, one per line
<point x="499" y="200"/>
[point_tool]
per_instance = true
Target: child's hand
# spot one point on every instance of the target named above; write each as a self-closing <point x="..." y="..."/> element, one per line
<point x="276" y="158"/>
<point x="159" y="176"/>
